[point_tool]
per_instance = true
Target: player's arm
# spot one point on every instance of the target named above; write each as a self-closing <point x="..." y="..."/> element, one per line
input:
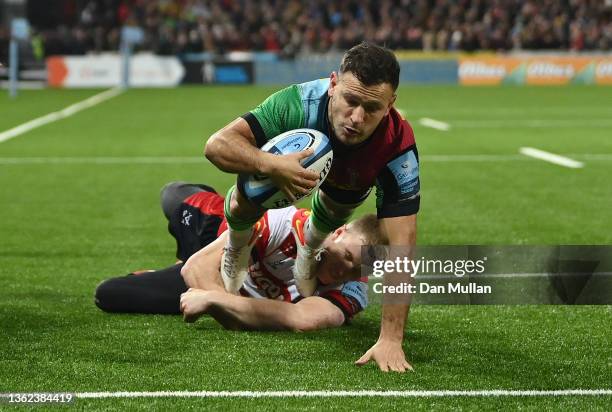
<point x="202" y="269"/>
<point x="235" y="148"/>
<point x="387" y="352"/>
<point x="398" y="201"/>
<point x="243" y="313"/>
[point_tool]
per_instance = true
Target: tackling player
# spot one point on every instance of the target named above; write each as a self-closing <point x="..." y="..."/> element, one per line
<point x="373" y="146"/>
<point x="195" y="214"/>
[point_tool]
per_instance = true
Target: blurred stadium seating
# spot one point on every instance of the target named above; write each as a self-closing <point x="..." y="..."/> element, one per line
<point x="292" y="27"/>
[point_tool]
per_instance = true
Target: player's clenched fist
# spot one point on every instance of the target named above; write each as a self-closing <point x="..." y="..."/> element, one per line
<point x="194" y="303"/>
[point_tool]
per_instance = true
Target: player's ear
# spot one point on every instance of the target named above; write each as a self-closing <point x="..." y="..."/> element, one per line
<point x="333" y="82"/>
<point x="338" y="232"/>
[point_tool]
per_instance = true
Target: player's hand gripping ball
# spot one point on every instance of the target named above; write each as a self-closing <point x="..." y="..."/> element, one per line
<point x="260" y="190"/>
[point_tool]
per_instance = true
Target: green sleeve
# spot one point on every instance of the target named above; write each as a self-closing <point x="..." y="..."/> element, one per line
<point x="281" y="112"/>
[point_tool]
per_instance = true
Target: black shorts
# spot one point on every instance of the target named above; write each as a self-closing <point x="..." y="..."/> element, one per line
<point x="194" y="213"/>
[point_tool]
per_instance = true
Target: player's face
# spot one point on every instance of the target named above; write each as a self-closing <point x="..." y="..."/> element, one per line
<point x="356" y="110"/>
<point x="341" y="258"/>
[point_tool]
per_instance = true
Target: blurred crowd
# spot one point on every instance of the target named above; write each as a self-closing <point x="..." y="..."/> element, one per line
<point x="292" y="27"/>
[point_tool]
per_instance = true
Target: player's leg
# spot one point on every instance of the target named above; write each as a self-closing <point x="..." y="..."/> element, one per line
<point x="194" y="214"/>
<point x="156" y="292"/>
<point x="174" y="193"/>
<point x="329" y="212"/>
<point x="241" y="215"/>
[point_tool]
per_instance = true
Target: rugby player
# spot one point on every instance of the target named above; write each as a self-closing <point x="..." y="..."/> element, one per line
<point x="373" y="146"/>
<point x="195" y="215"/>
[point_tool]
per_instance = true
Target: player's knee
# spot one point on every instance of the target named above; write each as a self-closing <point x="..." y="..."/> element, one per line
<point x="170" y="197"/>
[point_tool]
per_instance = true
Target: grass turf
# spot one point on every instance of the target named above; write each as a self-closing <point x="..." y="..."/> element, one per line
<point x="68" y="226"/>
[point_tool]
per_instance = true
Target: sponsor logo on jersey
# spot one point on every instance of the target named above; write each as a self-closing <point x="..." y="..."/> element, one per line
<point x="405" y="169"/>
<point x="186" y="220"/>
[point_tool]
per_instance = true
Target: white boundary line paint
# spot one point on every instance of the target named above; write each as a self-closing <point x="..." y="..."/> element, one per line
<point x="505" y="111"/>
<point x="551" y="157"/>
<point x="434" y="124"/>
<point x="514" y="124"/>
<point x="104" y="160"/>
<point x="62" y="114"/>
<point x="353" y="393"/>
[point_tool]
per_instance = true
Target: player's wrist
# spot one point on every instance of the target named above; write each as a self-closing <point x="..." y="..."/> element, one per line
<point x="394" y="337"/>
<point x="389" y="344"/>
<point x="264" y="163"/>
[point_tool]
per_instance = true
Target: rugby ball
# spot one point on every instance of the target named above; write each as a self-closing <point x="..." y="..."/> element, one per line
<point x="260" y="190"/>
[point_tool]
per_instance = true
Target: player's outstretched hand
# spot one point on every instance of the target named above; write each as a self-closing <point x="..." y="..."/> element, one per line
<point x="389" y="356"/>
<point x="194" y="303"/>
<point x="287" y="173"/>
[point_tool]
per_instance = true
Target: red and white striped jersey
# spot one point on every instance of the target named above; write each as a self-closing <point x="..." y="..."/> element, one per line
<point x="272" y="259"/>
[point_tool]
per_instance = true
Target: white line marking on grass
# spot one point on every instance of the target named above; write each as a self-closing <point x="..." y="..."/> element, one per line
<point x="119" y="160"/>
<point x="434" y="124"/>
<point x="551" y="157"/>
<point x="354" y="393"/>
<point x="505" y="111"/>
<point x="62" y="114"/>
<point x="514" y="124"/>
<point x="104" y="160"/>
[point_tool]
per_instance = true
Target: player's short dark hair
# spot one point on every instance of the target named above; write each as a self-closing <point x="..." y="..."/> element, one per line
<point x="371" y="64"/>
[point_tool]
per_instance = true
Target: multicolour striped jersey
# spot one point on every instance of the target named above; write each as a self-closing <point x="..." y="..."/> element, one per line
<point x="388" y="159"/>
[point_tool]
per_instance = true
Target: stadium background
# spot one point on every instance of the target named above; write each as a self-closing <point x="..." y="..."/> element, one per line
<point x="79" y="199"/>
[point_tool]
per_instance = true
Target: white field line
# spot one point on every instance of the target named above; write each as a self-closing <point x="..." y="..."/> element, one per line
<point x="434" y="124"/>
<point x="103" y="160"/>
<point x="111" y="160"/>
<point x="551" y="157"/>
<point x="494" y="124"/>
<point x="353" y="393"/>
<point x="62" y="114"/>
<point x="504" y="111"/>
